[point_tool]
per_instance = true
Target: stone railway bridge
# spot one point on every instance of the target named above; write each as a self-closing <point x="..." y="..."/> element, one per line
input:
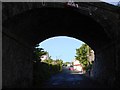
<point x="26" y="24"/>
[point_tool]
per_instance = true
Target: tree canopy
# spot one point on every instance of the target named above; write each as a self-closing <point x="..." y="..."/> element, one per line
<point x="39" y="52"/>
<point x="82" y="55"/>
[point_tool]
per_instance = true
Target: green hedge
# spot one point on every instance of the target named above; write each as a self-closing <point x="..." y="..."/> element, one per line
<point x="43" y="71"/>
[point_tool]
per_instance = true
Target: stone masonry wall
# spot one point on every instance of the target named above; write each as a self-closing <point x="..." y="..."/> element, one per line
<point x="104" y="65"/>
<point x="118" y="64"/>
<point x="16" y="64"/>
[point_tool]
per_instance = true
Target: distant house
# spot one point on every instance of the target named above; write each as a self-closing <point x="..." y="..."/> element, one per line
<point x="77" y="66"/>
<point x="44" y="57"/>
<point x="91" y="56"/>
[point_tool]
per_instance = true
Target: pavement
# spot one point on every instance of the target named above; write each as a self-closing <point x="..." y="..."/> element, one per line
<point x="70" y="79"/>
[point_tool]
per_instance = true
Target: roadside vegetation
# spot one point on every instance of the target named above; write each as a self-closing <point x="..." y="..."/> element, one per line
<point x="83" y="54"/>
<point x="43" y="70"/>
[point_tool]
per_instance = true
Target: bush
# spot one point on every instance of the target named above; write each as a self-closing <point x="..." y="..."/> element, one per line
<point x="43" y="71"/>
<point x="40" y="73"/>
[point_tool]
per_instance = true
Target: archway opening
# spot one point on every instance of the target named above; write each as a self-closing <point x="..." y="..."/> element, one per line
<point x="64" y="56"/>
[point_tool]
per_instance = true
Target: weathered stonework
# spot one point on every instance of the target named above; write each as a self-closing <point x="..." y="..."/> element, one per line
<point x="104" y="65"/>
<point x="118" y="63"/>
<point x="16" y="64"/>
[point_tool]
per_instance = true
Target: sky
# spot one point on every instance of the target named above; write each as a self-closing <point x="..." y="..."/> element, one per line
<point x="61" y="47"/>
<point x="114" y="2"/>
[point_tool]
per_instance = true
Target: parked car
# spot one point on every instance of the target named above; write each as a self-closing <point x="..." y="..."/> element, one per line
<point x="71" y="68"/>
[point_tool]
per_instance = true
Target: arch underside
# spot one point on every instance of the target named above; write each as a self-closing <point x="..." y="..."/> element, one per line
<point x="36" y="25"/>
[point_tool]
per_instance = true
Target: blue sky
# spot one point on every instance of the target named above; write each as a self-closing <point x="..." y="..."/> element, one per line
<point x="61" y="47"/>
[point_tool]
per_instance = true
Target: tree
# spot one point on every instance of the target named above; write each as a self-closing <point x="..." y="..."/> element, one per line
<point x="82" y="55"/>
<point x="49" y="61"/>
<point x="59" y="61"/>
<point x="38" y="52"/>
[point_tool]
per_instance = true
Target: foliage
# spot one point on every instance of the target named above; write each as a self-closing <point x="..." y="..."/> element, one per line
<point x="43" y="70"/>
<point x="49" y="61"/>
<point x="82" y="55"/>
<point x="38" y="52"/>
<point x="55" y="63"/>
<point x="59" y="61"/>
<point x="40" y="73"/>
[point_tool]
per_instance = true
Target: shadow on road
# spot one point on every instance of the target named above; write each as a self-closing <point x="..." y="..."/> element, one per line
<point x="70" y="79"/>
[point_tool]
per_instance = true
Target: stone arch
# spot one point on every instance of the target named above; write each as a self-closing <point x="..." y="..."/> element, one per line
<point x="37" y="24"/>
<point x="73" y="23"/>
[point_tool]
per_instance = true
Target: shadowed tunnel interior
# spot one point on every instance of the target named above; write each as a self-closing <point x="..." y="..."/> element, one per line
<point x="34" y="26"/>
<point x="39" y="24"/>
